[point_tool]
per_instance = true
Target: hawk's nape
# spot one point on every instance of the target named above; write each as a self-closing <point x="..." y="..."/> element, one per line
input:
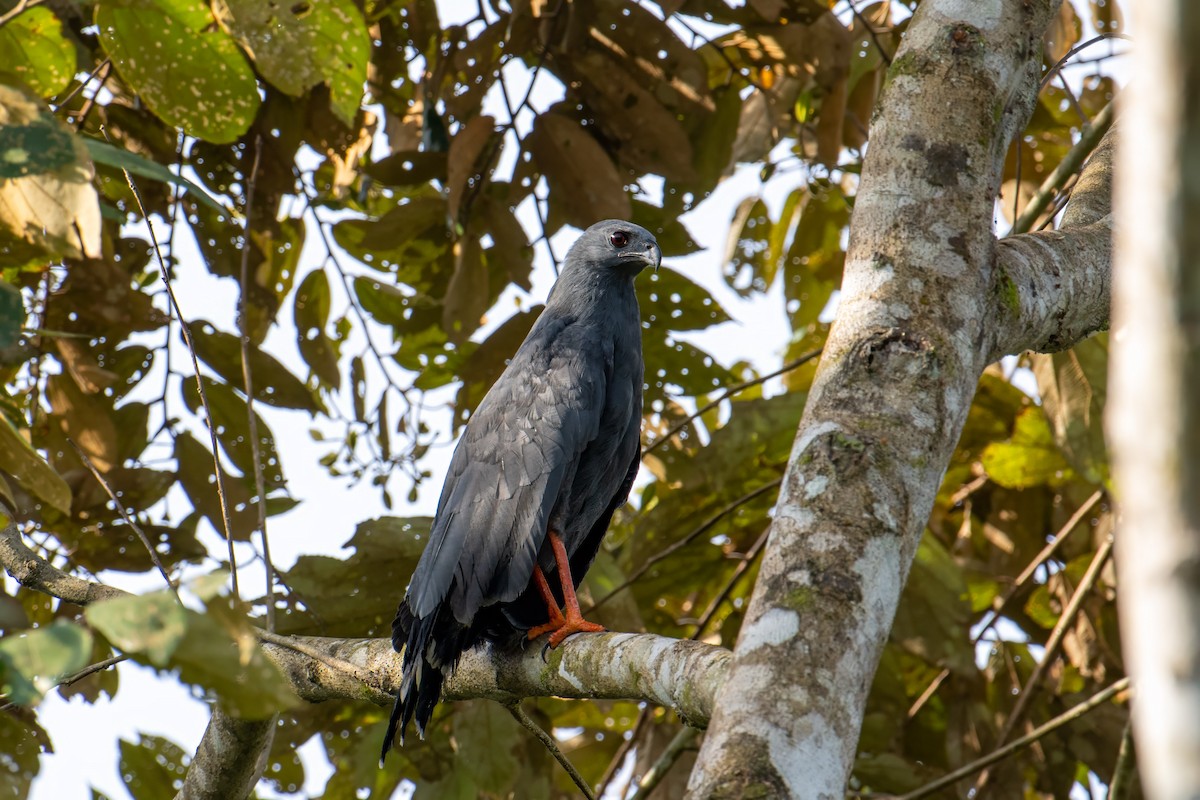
<point x="541" y="467"/>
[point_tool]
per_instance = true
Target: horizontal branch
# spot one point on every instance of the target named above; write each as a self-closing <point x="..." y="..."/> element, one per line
<point x="677" y="674"/>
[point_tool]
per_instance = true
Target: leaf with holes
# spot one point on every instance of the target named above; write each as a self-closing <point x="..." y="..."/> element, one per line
<point x="199" y="81"/>
<point x="231" y="418"/>
<point x="35" y="53"/>
<point x="153" y="768"/>
<point x="297" y="46"/>
<point x="311" y="313"/>
<point x="670" y="300"/>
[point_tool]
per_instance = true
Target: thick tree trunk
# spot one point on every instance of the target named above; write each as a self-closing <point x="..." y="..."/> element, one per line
<point x="929" y="299"/>
<point x="1154" y="412"/>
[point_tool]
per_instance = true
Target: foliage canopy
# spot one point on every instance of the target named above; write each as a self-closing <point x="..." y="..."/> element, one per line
<point x="383" y="232"/>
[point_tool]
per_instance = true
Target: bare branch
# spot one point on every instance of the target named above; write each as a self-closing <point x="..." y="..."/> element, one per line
<point x="34" y="572"/>
<point x="676" y="674"/>
<point x="137" y="529"/>
<point x="548" y="742"/>
<point x="1051" y="288"/>
<point x="949" y="779"/>
<point x="248" y="385"/>
<point x="186" y="330"/>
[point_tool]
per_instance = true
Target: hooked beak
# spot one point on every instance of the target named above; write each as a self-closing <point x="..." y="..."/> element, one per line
<point x="651" y="256"/>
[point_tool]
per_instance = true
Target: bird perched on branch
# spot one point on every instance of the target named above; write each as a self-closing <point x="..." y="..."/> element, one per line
<point x="545" y="460"/>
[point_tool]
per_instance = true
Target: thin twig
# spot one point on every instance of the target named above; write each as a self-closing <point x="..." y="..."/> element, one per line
<point x="513" y="111"/>
<point x="59" y="105"/>
<point x="247" y="380"/>
<point x="22" y="5"/>
<point x="1007" y="750"/>
<point x="683" y="741"/>
<point x="92" y="669"/>
<point x="548" y="741"/>
<point x="887" y="59"/>
<point x="1050" y="73"/>
<point x="186" y="330"/>
<point x="1125" y="775"/>
<point x="725" y="395"/>
<point x="1072" y="162"/>
<point x="99" y="666"/>
<point x="686" y="540"/>
<point x="137" y="529"/>
<point x="89" y="103"/>
<point x="741" y="569"/>
<point x="627" y="744"/>
<point x="1051" y="649"/>
<point x="1000" y="606"/>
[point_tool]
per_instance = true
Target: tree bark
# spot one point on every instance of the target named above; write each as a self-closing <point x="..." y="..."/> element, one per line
<point x="916" y="326"/>
<point x="1154" y="414"/>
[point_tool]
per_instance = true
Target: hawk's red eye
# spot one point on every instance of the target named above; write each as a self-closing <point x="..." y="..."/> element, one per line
<point x="619" y="239"/>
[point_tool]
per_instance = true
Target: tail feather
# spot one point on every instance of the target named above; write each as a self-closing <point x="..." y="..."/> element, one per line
<point x="432" y="647"/>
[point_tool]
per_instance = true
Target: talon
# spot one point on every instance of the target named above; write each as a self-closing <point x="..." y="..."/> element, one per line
<point x="568" y="621"/>
<point x="545" y="650"/>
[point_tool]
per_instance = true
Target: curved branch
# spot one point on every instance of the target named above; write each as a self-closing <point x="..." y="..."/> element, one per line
<point x="34" y="572"/>
<point x="1051" y="288"/>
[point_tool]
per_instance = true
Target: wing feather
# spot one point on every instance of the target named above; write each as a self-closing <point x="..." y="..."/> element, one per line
<point x="518" y="452"/>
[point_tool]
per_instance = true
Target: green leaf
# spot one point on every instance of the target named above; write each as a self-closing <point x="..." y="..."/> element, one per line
<point x="48" y="206"/>
<point x="231" y="418"/>
<point x="672" y="301"/>
<point x="153" y="768"/>
<point x="152" y="625"/>
<point x="487" y="734"/>
<point x="35" y="661"/>
<point x="196" y="477"/>
<point x="21" y="742"/>
<point x="1029" y="458"/>
<point x="20" y="460"/>
<point x="311" y="313"/>
<point x="273" y="383"/>
<point x="39" y="146"/>
<point x="297" y="46"/>
<point x="34" y="51"/>
<point x="199" y="81"/>
<point x="1074" y="388"/>
<point x="12" y="314"/>
<point x="105" y="153"/>
<point x="221" y="653"/>
<point x="356" y="595"/>
<point x="745" y="264"/>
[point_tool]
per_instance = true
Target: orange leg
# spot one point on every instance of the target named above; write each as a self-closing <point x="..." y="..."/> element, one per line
<point x="570" y="620"/>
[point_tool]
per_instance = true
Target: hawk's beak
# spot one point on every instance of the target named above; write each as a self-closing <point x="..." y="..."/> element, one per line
<point x="651" y="256"/>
